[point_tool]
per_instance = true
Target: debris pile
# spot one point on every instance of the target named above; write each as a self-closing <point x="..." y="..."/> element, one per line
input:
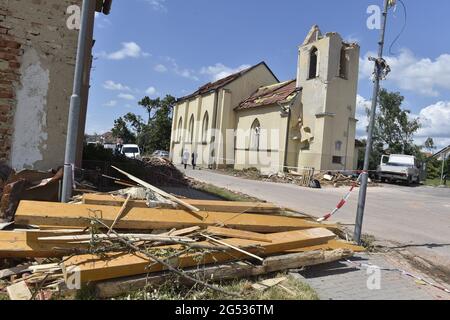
<point x="338" y="179"/>
<point x="143" y="237"/>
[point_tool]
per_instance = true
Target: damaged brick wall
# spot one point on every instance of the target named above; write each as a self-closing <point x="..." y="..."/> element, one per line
<point x="10" y="52"/>
<point x="37" y="60"/>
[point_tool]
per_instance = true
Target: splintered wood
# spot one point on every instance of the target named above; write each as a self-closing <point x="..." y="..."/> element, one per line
<point x="121" y="244"/>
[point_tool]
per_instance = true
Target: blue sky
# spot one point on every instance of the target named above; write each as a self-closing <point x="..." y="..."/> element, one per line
<point x="158" y="47"/>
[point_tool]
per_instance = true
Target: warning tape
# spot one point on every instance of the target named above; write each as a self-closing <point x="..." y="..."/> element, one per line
<point x="403" y="272"/>
<point x="343" y="201"/>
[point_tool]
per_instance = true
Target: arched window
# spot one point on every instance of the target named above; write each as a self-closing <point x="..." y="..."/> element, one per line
<point x="180" y="130"/>
<point x="255" y="135"/>
<point x="343" y="64"/>
<point x="338" y="145"/>
<point x="205" y="126"/>
<point x="191" y="130"/>
<point x="313" y="63"/>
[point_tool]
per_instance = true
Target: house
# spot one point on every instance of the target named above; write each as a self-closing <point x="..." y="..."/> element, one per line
<point x="251" y="119"/>
<point x="38" y="46"/>
<point x="442" y="154"/>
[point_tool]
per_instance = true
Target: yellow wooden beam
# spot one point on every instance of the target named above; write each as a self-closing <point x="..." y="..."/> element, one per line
<point x="204" y="205"/>
<point x="71" y="215"/>
<point x="25" y="244"/>
<point x="116" y="265"/>
<point x="239" y="234"/>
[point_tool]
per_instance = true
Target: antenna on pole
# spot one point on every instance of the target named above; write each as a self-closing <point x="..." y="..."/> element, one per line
<point x="380" y="72"/>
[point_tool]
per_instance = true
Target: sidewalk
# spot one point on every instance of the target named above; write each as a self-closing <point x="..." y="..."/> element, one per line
<point x="345" y="281"/>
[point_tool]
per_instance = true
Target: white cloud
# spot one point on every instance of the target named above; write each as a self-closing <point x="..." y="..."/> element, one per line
<point x="435" y="121"/>
<point x="182" y="72"/>
<point x="421" y="75"/>
<point x="128" y="50"/>
<point x="111" y="103"/>
<point x="158" y="5"/>
<point x="160" y="68"/>
<point x="151" y="91"/>
<point x="220" y="71"/>
<point x="111" y="85"/>
<point x="126" y="96"/>
<point x="362" y="105"/>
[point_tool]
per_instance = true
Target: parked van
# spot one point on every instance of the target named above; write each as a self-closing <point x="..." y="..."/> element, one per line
<point x="131" y="151"/>
<point x="398" y="167"/>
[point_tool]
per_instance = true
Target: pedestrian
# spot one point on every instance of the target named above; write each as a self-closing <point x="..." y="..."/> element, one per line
<point x="194" y="160"/>
<point x="185" y="160"/>
<point x="445" y="179"/>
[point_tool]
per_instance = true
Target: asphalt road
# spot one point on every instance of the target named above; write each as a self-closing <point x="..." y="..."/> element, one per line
<point x="417" y="218"/>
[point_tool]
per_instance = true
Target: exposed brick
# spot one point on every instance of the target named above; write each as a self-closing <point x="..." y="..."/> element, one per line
<point x="7" y="94"/>
<point x="10" y="44"/>
<point x="14" y="65"/>
<point x="5" y="109"/>
<point x="7" y="56"/>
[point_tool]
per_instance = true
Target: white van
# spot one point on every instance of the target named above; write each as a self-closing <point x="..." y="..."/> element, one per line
<point x="131" y="151"/>
<point x="400" y="167"/>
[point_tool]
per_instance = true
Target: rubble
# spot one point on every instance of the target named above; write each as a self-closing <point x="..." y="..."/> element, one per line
<point x="118" y="242"/>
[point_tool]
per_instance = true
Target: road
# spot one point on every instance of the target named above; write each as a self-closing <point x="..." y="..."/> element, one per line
<point x="417" y="218"/>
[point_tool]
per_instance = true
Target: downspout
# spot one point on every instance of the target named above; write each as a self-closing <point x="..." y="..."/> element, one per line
<point x="75" y="103"/>
<point x="286" y="147"/>
<point x="213" y="138"/>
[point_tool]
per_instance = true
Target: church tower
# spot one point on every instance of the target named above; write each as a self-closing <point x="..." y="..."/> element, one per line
<point x="327" y="72"/>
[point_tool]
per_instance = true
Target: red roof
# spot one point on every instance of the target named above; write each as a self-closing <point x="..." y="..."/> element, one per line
<point x="264" y="96"/>
<point x="211" y="86"/>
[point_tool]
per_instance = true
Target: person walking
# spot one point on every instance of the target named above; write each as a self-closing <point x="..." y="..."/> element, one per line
<point x="194" y="160"/>
<point x="185" y="159"/>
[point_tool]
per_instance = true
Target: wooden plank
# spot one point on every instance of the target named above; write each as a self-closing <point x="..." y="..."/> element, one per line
<point x="203" y="205"/>
<point x="251" y="255"/>
<point x="115" y="265"/>
<point x="230" y="271"/>
<point x="239" y="234"/>
<point x="121" y="212"/>
<point x="331" y="245"/>
<point x="67" y="215"/>
<point x="158" y="191"/>
<point x="131" y="237"/>
<point x="21" y="244"/>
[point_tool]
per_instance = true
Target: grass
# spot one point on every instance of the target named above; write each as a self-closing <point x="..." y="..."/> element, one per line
<point x="223" y="193"/>
<point x="293" y="290"/>
<point x="368" y="242"/>
<point x="433" y="182"/>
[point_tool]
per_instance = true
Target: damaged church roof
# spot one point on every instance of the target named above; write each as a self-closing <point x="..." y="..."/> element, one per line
<point x="277" y="93"/>
<point x="211" y="86"/>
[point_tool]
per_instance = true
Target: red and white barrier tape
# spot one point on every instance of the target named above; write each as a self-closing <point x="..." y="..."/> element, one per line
<point x="342" y="202"/>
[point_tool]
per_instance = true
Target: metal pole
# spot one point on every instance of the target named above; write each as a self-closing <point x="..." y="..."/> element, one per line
<point x="365" y="174"/>
<point x="75" y="101"/>
<point x="443" y="166"/>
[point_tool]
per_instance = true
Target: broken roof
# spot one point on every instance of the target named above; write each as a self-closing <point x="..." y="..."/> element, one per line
<point x="277" y="93"/>
<point x="211" y="86"/>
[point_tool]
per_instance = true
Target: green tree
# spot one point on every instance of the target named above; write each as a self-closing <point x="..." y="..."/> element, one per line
<point x="394" y="128"/>
<point x="121" y="131"/>
<point x="153" y="134"/>
<point x="429" y="145"/>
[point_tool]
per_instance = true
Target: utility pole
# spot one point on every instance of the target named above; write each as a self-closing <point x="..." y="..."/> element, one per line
<point x="75" y="102"/>
<point x="444" y="160"/>
<point x="378" y="72"/>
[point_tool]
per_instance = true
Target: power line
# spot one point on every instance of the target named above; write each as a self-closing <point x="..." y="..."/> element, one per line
<point x="405" y="11"/>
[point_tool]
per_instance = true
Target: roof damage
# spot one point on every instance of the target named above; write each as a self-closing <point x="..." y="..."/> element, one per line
<point x="278" y="93"/>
